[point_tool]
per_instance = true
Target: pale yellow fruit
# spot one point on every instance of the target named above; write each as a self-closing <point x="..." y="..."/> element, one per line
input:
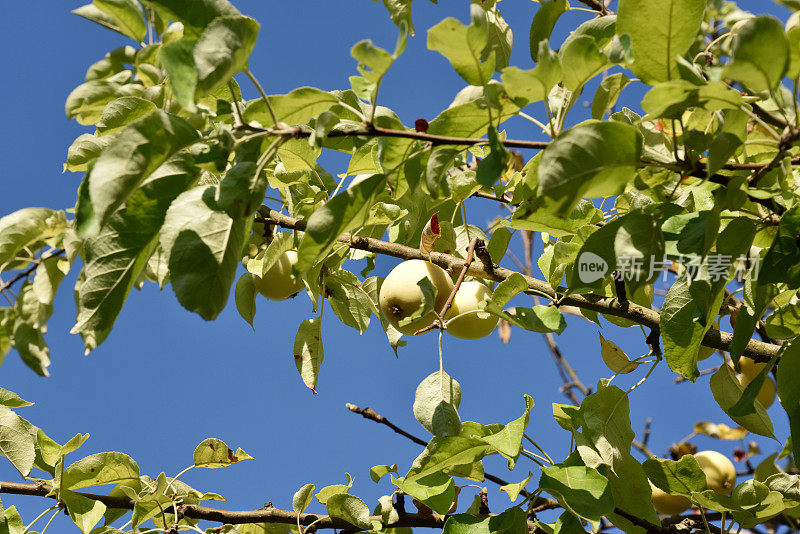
<point x="464" y="322"/>
<point x="766" y="396"/>
<point x="400" y="295"/>
<point x="719" y="470"/>
<point x="749" y="368"/>
<point x="277" y="283"/>
<point x="668" y="504"/>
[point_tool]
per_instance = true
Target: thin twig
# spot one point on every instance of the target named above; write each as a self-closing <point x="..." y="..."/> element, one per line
<point x="451" y="297"/>
<point x="32" y="267"/>
<point x="264" y="96"/>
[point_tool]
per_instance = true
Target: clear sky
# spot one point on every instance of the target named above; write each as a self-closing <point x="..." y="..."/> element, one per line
<point x="165" y="379"/>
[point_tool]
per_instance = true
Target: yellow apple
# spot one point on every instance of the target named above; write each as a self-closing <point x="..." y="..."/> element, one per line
<point x="766" y="396"/>
<point x="668" y="504"/>
<point x="277" y="283"/>
<point x="719" y="470"/>
<point x="463" y="321"/>
<point x="749" y="368"/>
<point x="400" y="296"/>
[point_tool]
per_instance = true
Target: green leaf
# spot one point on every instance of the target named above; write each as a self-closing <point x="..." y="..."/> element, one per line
<point x="759" y="53"/>
<point x="379" y="471"/>
<point x="84" y="512"/>
<point x="223" y="50"/>
<point x="592" y="159"/>
<point x="672" y="98"/>
<point x="464" y="46"/>
<point x="349" y="301"/>
<point x="508" y="289"/>
<point x="93" y="13"/>
<point x="436" y="402"/>
<point x="204" y="247"/>
<point x="512" y="521"/>
<point x="540" y="318"/>
<point x="302" y="498"/>
<point x="350" y="508"/>
<point x="329" y="491"/>
<point x="177" y="59"/>
<point x="127" y="14"/>
<point x="581" y="59"/>
<point x="9" y="399"/>
<point x="683" y="326"/>
<point x="542" y="26"/>
<point x="139" y="149"/>
<point x="492" y="167"/>
<point x="373" y="61"/>
<point x="122" y="111"/>
<point x="450" y="452"/>
<point x="470" y="119"/>
<point x="84" y="149"/>
<point x="580" y="489"/>
<point x="400" y="13"/>
<point x="500" y="36"/>
<point x="537" y="216"/>
<point x="727" y="391"/>
<point x="727" y="140"/>
<point x="31" y="346"/>
<point x="659" y="32"/>
<point x="194" y="14"/>
<point x="683" y="476"/>
<point x="213" y="453"/>
<point x="16" y="441"/>
<point x="86" y="102"/>
<point x="22" y="228"/>
<point x="437" y="490"/>
<point x="568" y="523"/>
<point x="99" y="469"/>
<point x="342" y="213"/>
<point x="308" y="353"/>
<point x="632" y="243"/>
<point x="606" y="426"/>
<point x="508" y="441"/>
<point x="296" y="107"/>
<point x="528" y="86"/>
<point x="241" y="190"/>
<point x="605" y="98"/>
<point x="114" y="259"/>
<point x="245" y="296"/>
<point x="513" y="490"/>
<point x="498" y="244"/>
<point x="782" y="262"/>
<point x="788" y="393"/>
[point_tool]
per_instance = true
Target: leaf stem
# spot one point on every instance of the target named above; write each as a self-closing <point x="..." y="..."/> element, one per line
<point x="264" y="96"/>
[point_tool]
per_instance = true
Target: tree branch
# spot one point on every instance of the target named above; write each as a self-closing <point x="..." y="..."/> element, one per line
<point x="193" y="511"/>
<point x="32" y="267"/>
<point x="759" y="351"/>
<point x="377" y="131"/>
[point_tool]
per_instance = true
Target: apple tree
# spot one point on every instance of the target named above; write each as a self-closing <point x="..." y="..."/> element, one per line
<point x="187" y="184"/>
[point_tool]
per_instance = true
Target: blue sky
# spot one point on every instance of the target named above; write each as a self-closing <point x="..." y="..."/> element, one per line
<point x="165" y="379"/>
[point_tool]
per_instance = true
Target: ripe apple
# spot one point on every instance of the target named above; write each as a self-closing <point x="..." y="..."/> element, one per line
<point x="750" y="369"/>
<point x="719" y="470"/>
<point x="766" y="395"/>
<point x="463" y="321"/>
<point x="668" y="504"/>
<point x="400" y="296"/>
<point x="277" y="283"/>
